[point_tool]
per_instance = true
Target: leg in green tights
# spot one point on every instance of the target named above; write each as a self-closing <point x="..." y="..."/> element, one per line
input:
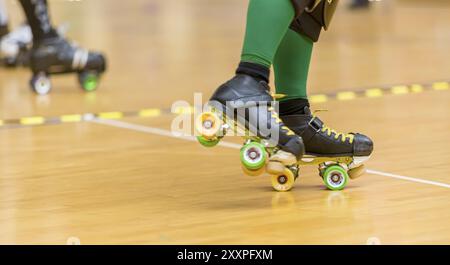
<point x="291" y="65"/>
<point x="267" y="24"/>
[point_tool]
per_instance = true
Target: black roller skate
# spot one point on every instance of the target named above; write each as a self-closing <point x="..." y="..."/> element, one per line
<point x="340" y="156"/>
<point x="243" y="105"/>
<point x="58" y="56"/>
<point x="15" y="47"/>
<point x="359" y="4"/>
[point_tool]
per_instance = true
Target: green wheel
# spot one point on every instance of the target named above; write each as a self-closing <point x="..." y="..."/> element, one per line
<point x="253" y="156"/>
<point x="335" y="177"/>
<point x="206" y="142"/>
<point x="88" y="81"/>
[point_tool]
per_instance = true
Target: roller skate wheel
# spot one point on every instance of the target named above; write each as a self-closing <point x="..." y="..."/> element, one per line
<point x="253" y="173"/>
<point x="41" y="84"/>
<point x="357" y="172"/>
<point x="207" y="142"/>
<point x="275" y="168"/>
<point x="253" y="156"/>
<point x="88" y="81"/>
<point x="335" y="177"/>
<point x="283" y="182"/>
<point x="208" y="125"/>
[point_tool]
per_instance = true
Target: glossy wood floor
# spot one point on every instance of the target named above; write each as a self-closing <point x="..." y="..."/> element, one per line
<point x="111" y="184"/>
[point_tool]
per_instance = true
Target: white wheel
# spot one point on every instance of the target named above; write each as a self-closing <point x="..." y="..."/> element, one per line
<point x="41" y="84"/>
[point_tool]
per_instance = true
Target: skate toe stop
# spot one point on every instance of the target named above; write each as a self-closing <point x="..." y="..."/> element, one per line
<point x="363" y="145"/>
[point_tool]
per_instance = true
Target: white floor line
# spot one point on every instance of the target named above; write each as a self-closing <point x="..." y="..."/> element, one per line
<point x="423" y="181"/>
<point x="162" y="132"/>
<point x="153" y="130"/>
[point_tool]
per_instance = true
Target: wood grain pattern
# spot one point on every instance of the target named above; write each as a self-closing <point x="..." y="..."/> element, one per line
<point x="107" y="185"/>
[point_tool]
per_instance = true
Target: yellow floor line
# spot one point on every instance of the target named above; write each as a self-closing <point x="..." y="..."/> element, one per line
<point x="374" y="92"/>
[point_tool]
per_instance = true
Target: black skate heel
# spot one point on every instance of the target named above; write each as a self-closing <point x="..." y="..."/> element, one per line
<point x="243" y="105"/>
<point x="57" y="56"/>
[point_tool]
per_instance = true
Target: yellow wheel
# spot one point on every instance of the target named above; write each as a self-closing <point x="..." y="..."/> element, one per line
<point x="283" y="182"/>
<point x="208" y="125"/>
<point x="355" y="173"/>
<point x="253" y="173"/>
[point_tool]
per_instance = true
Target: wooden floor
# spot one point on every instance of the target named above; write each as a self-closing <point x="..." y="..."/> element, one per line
<point x="127" y="182"/>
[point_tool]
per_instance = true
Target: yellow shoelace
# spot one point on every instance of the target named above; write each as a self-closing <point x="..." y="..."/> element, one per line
<point x="277" y="96"/>
<point x="329" y="131"/>
<point x="278" y="120"/>
<point x="275" y="115"/>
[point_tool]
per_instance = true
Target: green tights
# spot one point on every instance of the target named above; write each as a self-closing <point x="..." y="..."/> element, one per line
<point x="268" y="40"/>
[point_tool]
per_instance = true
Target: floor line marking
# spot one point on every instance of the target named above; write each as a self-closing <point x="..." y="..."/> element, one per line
<point x="157" y="131"/>
<point x="167" y="133"/>
<point x="423" y="181"/>
<point x="340" y="95"/>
